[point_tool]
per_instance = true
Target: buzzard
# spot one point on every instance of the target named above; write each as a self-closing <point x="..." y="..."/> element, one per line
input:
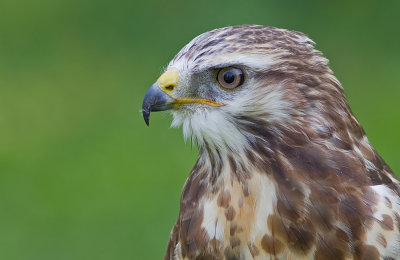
<point x="285" y="170"/>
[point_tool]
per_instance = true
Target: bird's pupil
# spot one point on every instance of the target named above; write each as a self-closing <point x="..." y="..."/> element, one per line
<point x="229" y="77"/>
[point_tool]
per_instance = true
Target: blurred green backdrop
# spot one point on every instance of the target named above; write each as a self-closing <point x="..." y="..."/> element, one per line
<point x="81" y="176"/>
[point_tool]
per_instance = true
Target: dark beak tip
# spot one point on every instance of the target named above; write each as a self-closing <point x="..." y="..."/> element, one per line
<point x="146" y="116"/>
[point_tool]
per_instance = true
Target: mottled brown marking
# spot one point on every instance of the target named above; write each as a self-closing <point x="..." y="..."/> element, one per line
<point x="381" y="239"/>
<point x="327" y="252"/>
<point x="300" y="239"/>
<point x="224" y="199"/>
<point x="231" y="253"/>
<point x="386" y="222"/>
<point x="277" y="228"/>
<point x="388" y="203"/>
<point x="339" y="143"/>
<point x="230" y="213"/>
<point x="367" y="151"/>
<point x="289" y="208"/>
<point x="322" y="215"/>
<point x="232" y="229"/>
<point x="206" y="256"/>
<point x="371" y="253"/>
<point x="235" y="241"/>
<point x="353" y="213"/>
<point x="323" y="194"/>
<point x="397" y="216"/>
<point x="332" y="245"/>
<point x="342" y="236"/>
<point x="271" y="245"/>
<point x="193" y="236"/>
<point x="215" y="244"/>
<point x="253" y="249"/>
<point x="370" y="198"/>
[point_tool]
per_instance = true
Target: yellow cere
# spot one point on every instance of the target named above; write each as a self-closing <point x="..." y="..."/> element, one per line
<point x="168" y="80"/>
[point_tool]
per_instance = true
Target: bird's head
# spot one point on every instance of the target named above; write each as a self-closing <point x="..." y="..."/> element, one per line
<point x="232" y="86"/>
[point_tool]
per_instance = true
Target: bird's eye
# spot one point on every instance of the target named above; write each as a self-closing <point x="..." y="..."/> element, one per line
<point x="230" y="77"/>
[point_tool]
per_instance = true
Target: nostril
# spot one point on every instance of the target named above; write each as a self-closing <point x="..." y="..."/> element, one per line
<point x="169" y="87"/>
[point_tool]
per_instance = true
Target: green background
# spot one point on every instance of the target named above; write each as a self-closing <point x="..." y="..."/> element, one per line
<point x="81" y="176"/>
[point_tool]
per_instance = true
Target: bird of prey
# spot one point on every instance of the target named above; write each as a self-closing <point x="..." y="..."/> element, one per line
<point x="285" y="170"/>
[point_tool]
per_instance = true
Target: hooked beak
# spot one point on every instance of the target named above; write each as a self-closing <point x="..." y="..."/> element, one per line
<point x="155" y="100"/>
<point x="159" y="96"/>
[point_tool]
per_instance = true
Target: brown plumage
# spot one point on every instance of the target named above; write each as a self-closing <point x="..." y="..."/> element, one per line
<point x="285" y="171"/>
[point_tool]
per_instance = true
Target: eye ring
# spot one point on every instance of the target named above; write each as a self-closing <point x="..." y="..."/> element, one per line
<point x="230" y="77"/>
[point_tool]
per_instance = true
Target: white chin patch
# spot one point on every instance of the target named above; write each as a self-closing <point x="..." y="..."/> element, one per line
<point x="209" y="127"/>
